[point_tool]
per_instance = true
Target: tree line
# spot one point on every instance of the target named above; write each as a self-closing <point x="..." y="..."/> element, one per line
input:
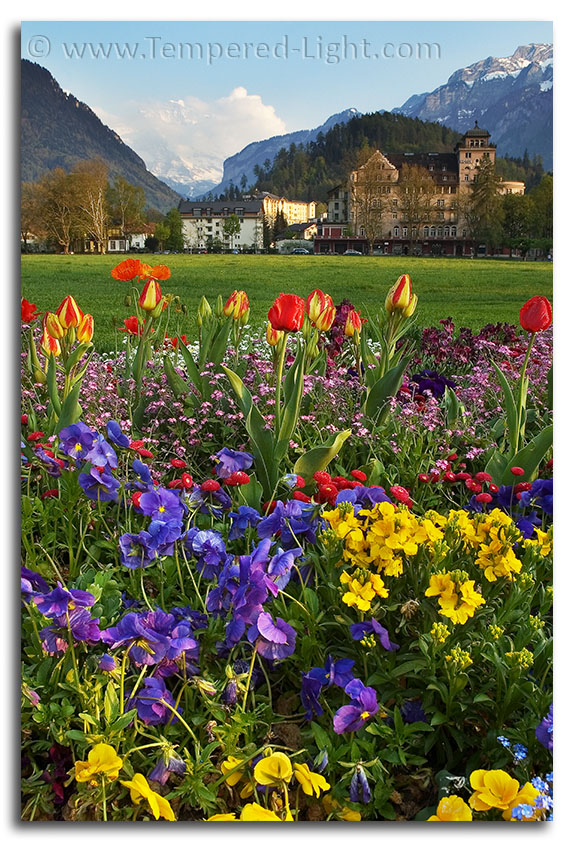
<point x="67" y="208"/>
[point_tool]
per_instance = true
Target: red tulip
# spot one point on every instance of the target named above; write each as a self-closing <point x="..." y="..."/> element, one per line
<point x="287" y="313"/>
<point x="536" y="314"/>
<point x="132" y="326"/>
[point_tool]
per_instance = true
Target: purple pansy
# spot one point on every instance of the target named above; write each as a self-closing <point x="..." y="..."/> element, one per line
<point x="369" y="627"/>
<point x="364" y="706"/>
<point x="99" y="485"/>
<point x="338" y="672"/>
<point x="116" y="436"/>
<point x="545" y="730"/>
<point x="231" y="461"/>
<point x="274" y="639"/>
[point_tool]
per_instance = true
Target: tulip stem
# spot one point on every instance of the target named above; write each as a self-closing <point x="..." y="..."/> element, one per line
<point x="521" y="406"/>
<point x="282" y="350"/>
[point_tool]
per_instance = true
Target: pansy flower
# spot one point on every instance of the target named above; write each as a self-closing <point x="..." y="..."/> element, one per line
<point x="364" y="706"/>
<point x="359" y="631"/>
<point x="274" y="639"/>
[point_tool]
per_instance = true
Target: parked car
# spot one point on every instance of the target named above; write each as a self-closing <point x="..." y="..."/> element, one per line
<point x="299" y="251"/>
<point x="353" y="252"/>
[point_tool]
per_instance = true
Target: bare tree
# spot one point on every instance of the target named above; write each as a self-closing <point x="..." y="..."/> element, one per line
<point x="126" y="205"/>
<point x="91" y="178"/>
<point x="370" y="196"/>
<point x="416" y="194"/>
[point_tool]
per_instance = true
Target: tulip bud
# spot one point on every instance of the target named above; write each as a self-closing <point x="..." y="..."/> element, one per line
<point x="69" y="313"/>
<point x="157" y="311"/>
<point x="326" y="317"/>
<point x="49" y="345"/>
<point x="236" y="305"/>
<point x="52" y="326"/>
<point x="219" y="307"/>
<point x="399" y="295"/>
<point x="306" y="328"/>
<point x="354" y="323"/>
<point x="273" y="336"/>
<point x="204" y="309"/>
<point x="151" y="295"/>
<point x="86" y="329"/>
<point x="244" y="319"/>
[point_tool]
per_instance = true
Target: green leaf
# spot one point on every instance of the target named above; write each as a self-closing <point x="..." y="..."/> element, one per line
<point x="439" y="719"/>
<point x="509" y="403"/>
<point x="111" y="703"/>
<point x="529" y="457"/>
<point x="318" y="458"/>
<point x="452" y="405"/>
<point x="76" y="356"/>
<point x="191" y="367"/>
<point x="385" y="388"/>
<point x="496" y="466"/>
<point x="177" y="383"/>
<point x="71" y="409"/>
<point x="262" y="439"/>
<point x="52" y="385"/>
<point x="253" y="493"/>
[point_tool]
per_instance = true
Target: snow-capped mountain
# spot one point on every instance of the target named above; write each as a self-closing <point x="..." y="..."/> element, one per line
<point x="510" y="96"/>
<point x="241" y="164"/>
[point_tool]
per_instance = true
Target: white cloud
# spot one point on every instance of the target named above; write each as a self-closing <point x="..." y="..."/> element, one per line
<point x="187" y="139"/>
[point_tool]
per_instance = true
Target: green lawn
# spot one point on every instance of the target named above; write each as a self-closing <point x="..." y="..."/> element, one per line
<point x="473" y="292"/>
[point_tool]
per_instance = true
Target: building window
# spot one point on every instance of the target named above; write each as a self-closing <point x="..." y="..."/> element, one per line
<point x="112" y="245"/>
<point x="445" y="178"/>
<point x="405" y="232"/>
<point x="197" y="211"/>
<point x="396" y="231"/>
<point x="395" y="216"/>
<point x="466" y="178"/>
<point x="453" y="231"/>
<point x="440" y="203"/>
<point x="426" y="231"/>
<point x="433" y="231"/>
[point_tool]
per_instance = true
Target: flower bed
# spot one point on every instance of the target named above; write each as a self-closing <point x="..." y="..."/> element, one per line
<point x="299" y="577"/>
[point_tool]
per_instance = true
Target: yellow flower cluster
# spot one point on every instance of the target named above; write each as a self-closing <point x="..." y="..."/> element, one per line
<point x="382" y="537"/>
<point x="457" y="598"/>
<point x="495" y="631"/>
<point x="439" y="632"/>
<point x="543" y="542"/>
<point x="459" y="658"/>
<point x="522" y="658"/>
<point x="362" y="588"/>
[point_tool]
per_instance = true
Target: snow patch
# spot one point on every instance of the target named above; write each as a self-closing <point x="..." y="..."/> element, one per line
<point x="546" y="86"/>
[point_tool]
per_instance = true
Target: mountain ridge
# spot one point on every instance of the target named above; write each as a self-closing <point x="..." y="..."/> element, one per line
<point x="58" y="130"/>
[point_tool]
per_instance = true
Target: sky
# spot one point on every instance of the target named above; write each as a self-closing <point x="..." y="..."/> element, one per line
<point x="195" y="92"/>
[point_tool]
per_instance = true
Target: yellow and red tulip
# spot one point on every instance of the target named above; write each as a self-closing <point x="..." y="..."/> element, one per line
<point x="69" y="313"/>
<point x="150" y="296"/>
<point x="49" y="345"/>
<point x="399" y="295"/>
<point x="273" y="336"/>
<point x="236" y="305"/>
<point x="316" y="303"/>
<point x="85" y="329"/>
<point x="326" y="317"/>
<point x="354" y="323"/>
<point x="52" y="326"/>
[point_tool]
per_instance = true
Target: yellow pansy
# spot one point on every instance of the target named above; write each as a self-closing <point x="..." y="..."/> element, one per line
<point x="102" y="760"/>
<point x="223" y="817"/>
<point x="344" y="813"/>
<point x="452" y="809"/>
<point x="140" y="789"/>
<point x="227" y="766"/>
<point x="256" y="813"/>
<point x="526" y="795"/>
<point x="273" y="770"/>
<point x="311" y="782"/>
<point x="494" y="788"/>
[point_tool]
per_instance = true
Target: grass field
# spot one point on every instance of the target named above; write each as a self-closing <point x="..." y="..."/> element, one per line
<point x="472" y="292"/>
